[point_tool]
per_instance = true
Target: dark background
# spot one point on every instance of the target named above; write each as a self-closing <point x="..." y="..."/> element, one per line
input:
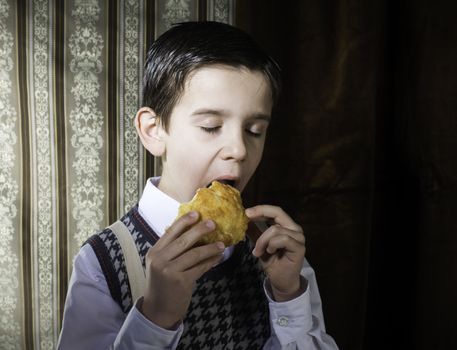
<point x="363" y="154"/>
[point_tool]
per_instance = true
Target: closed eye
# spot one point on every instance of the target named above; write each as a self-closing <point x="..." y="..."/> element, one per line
<point x="210" y="130"/>
<point x="256" y="129"/>
<point x="253" y="133"/>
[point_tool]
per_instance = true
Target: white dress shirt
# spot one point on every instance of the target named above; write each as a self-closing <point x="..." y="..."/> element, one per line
<point x="93" y="320"/>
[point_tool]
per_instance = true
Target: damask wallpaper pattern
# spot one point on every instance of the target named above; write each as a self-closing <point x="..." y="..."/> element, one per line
<point x="70" y="84"/>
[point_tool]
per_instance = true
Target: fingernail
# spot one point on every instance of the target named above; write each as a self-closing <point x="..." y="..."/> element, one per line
<point x="193" y="214"/>
<point x="248" y="212"/>
<point x="220" y="245"/>
<point x="210" y="224"/>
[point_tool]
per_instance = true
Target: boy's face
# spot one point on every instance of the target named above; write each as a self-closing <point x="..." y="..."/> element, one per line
<point x="217" y="130"/>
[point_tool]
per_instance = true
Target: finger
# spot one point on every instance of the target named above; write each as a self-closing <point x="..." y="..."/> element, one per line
<point x="265" y="212"/>
<point x="178" y="227"/>
<point x="284" y="243"/>
<point x="197" y="255"/>
<point x="188" y="239"/>
<point x="275" y="231"/>
<point x="198" y="270"/>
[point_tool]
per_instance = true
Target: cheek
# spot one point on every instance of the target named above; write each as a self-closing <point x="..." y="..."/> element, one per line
<point x="256" y="154"/>
<point x="253" y="163"/>
<point x="188" y="157"/>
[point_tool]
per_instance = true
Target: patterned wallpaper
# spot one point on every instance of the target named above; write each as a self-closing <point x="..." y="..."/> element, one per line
<point x="70" y="84"/>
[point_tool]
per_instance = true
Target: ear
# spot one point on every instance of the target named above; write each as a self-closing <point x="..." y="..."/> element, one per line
<point x="150" y="131"/>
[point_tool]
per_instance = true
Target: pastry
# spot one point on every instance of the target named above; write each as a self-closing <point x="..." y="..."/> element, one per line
<point x="222" y="204"/>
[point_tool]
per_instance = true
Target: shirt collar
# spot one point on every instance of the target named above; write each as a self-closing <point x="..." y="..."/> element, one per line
<point x="159" y="217"/>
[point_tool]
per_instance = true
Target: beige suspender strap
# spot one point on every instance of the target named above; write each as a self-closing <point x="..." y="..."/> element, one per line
<point x="132" y="259"/>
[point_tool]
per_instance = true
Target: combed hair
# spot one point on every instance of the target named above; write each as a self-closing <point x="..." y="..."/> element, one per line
<point x="191" y="45"/>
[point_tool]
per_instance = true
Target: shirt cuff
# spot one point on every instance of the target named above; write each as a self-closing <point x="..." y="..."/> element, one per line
<point x="138" y="332"/>
<point x="289" y="319"/>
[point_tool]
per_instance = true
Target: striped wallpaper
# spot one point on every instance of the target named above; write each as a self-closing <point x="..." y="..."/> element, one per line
<point x="70" y="161"/>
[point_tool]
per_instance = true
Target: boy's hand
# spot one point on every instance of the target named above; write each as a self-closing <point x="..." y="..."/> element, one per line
<point x="281" y="250"/>
<point x="173" y="265"/>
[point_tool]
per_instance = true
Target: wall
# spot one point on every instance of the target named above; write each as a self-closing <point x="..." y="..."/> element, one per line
<point x="70" y="84"/>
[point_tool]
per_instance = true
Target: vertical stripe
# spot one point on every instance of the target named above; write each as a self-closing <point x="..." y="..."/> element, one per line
<point x="33" y="167"/>
<point x="149" y="24"/>
<point x="202" y="10"/>
<point x="9" y="190"/>
<point x="130" y="98"/>
<point x="52" y="265"/>
<point x="121" y="79"/>
<point x="86" y="121"/>
<point x="62" y="256"/>
<point x="26" y="225"/>
<point x="34" y="173"/>
<point x="112" y="111"/>
<point x="140" y="54"/>
<point x="150" y="29"/>
<point x="43" y="164"/>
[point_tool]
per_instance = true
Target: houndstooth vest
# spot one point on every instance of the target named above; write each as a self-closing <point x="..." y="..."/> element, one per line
<point x="228" y="309"/>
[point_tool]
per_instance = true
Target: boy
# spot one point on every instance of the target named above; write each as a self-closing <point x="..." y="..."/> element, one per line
<point x="208" y="96"/>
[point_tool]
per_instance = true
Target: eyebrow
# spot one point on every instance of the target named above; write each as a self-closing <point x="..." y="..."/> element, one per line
<point x="224" y="113"/>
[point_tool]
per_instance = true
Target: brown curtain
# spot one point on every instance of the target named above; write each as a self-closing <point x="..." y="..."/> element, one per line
<point x="363" y="154"/>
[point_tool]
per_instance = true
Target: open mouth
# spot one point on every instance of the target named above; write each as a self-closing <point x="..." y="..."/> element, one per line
<point x="224" y="181"/>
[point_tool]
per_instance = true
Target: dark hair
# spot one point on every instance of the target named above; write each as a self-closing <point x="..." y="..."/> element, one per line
<point x="191" y="45"/>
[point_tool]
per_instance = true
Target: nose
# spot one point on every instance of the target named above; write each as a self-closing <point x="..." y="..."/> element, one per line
<point x="234" y="147"/>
